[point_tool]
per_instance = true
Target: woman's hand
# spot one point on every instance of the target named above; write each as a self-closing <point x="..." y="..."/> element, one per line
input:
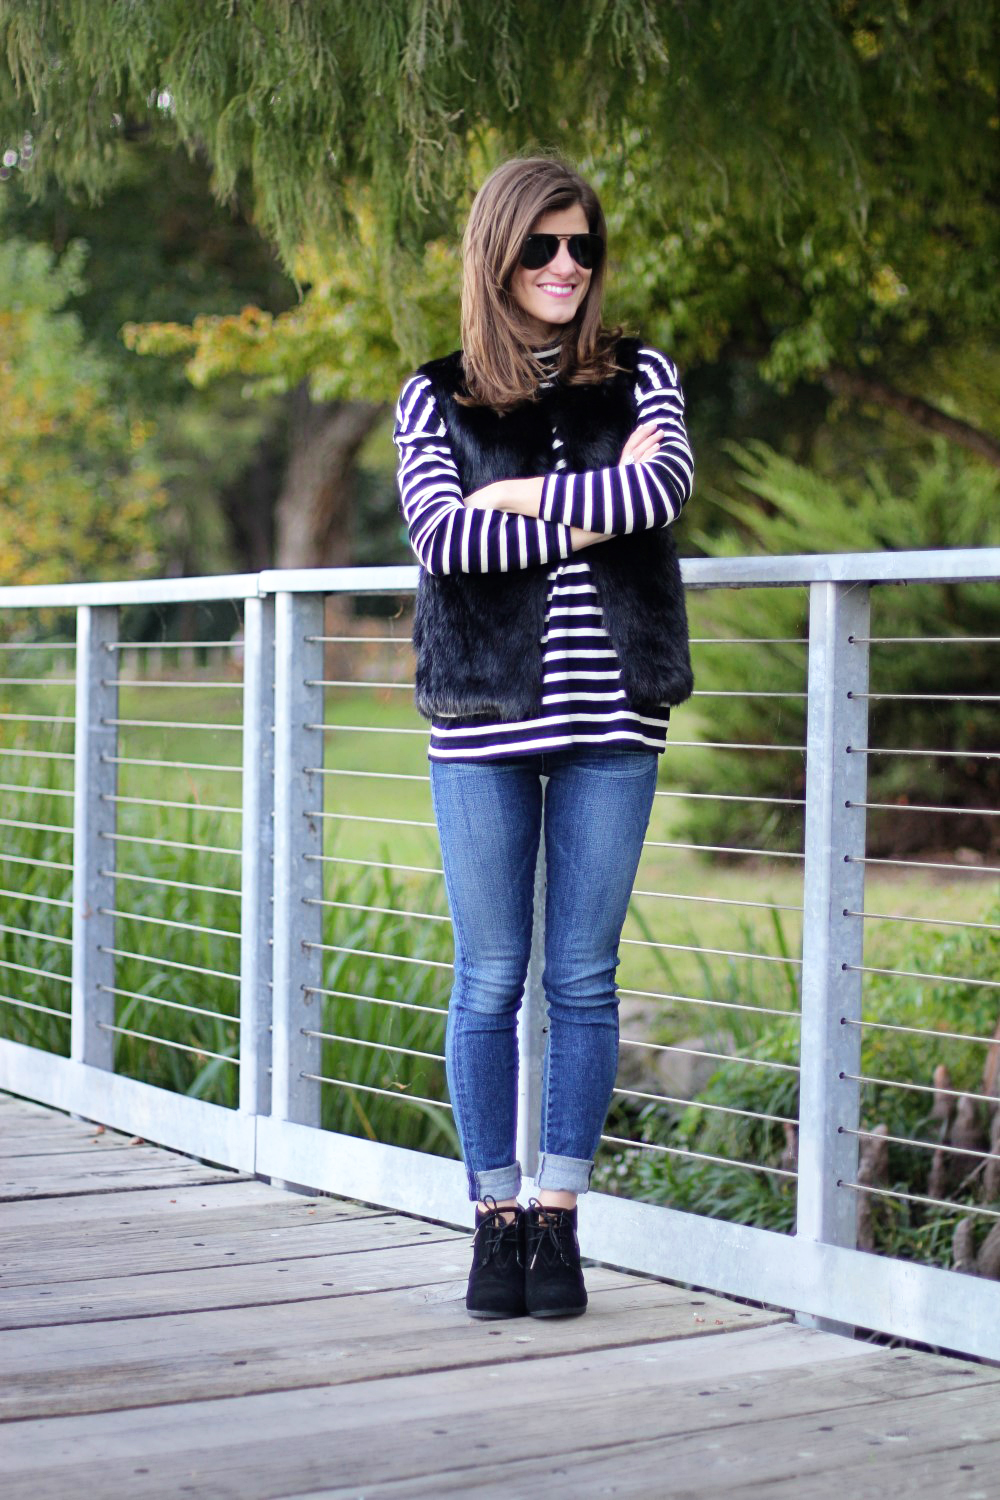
<point x="519" y="497"/>
<point x="579" y="539"/>
<point x="641" y="444"/>
<point x="488" y="498"/>
<point x="523" y="497"/>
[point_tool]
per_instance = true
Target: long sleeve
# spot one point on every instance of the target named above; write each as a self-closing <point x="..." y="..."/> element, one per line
<point x="446" y="535"/>
<point x="632" y="496"/>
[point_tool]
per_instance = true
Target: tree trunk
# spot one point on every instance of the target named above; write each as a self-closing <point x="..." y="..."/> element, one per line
<point x="249" y="503"/>
<point x="313" y="508"/>
<point x="860" y="387"/>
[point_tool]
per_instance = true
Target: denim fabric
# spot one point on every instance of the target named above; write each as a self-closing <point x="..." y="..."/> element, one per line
<point x="596" y="807"/>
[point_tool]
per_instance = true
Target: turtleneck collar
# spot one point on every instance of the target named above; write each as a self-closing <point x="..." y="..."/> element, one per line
<point x="548" y="358"/>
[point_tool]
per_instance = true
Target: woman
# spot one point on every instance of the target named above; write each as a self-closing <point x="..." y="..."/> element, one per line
<point x="540" y="470"/>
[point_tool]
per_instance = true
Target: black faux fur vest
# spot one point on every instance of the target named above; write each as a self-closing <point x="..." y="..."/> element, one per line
<point x="478" y="635"/>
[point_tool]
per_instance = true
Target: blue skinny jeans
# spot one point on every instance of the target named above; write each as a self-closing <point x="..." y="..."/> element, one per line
<point x="595" y="808"/>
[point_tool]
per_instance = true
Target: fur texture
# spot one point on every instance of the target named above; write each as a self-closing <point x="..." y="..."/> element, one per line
<point x="478" y="636"/>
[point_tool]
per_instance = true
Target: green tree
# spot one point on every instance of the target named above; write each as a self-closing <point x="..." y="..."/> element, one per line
<point x="888" y="314"/>
<point x="935" y="696"/>
<point x="332" y="360"/>
<point x="805" y="188"/>
<point x="80" y="493"/>
<point x="773" y="94"/>
<point x="160" y="246"/>
<point x="246" y="480"/>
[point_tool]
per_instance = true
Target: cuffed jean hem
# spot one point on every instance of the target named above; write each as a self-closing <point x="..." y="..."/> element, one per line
<point x="498" y="1182"/>
<point x="563" y="1174"/>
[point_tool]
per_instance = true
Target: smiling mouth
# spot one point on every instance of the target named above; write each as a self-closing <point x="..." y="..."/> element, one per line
<point x="555" y="289"/>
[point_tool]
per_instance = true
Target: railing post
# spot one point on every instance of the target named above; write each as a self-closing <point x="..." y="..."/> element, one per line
<point x="834" y="877"/>
<point x="95" y="781"/>
<point x="257" y="857"/>
<point x="532" y="1029"/>
<point x="298" y="841"/>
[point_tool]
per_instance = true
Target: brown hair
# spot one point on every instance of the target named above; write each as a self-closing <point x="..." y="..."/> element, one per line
<point x="500" y="369"/>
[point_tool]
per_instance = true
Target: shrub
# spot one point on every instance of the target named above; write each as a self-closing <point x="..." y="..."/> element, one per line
<point x="950" y="501"/>
<point x="909" y="1230"/>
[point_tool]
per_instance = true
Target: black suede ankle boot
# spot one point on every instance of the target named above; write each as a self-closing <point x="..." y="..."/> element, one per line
<point x="496" y="1281"/>
<point x="553" y="1278"/>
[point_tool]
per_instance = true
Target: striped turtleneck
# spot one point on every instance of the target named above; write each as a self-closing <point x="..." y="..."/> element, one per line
<point x="583" y="700"/>
<point x="548" y="359"/>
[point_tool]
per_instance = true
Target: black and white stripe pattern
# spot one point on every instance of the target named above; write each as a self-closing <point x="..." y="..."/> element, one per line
<point x="447" y="536"/>
<point x="632" y="496"/>
<point x="583" y="700"/>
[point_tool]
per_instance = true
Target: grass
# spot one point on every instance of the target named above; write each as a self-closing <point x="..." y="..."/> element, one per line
<point x="398" y="999"/>
<point x="941" y="1010"/>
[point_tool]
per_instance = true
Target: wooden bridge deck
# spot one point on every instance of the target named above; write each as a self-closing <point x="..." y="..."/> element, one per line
<point x="149" y="1348"/>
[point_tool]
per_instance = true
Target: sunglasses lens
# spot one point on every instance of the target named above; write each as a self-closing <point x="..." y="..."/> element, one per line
<point x="538" y="250"/>
<point x="586" y="250"/>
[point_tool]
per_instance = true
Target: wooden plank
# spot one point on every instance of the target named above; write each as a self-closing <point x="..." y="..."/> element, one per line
<point x="386" y="1329"/>
<point x="188" y="1275"/>
<point x="297" y="1442"/>
<point x="175" y="1210"/>
<point x="238" y="1193"/>
<point x="44" y="1242"/>
<point x="15" y="1104"/>
<point x="141" y="1361"/>
<point x="317" y="1416"/>
<point x="26" y="1150"/>
<point x="32" y="1133"/>
<point x="442" y="1258"/>
<point x="62" y="1167"/>
<point x="24" y="1115"/>
<point x="43" y="1168"/>
<point x="787" y="1449"/>
<point x="47" y="1142"/>
<point x="966" y="1471"/>
<point x="71" y="1174"/>
<point x="191" y="1244"/>
<point x="44" y="1128"/>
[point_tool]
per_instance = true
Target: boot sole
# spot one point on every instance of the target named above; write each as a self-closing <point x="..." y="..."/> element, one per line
<point x="557" y="1312"/>
<point x="483" y="1316"/>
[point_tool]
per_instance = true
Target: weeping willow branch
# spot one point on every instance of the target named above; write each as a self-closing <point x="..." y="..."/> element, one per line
<point x="857" y="386"/>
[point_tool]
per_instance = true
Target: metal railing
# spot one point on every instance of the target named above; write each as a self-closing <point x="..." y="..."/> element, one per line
<point x="224" y="929"/>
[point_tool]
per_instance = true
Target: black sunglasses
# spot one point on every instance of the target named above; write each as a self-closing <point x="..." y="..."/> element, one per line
<point x="539" y="250"/>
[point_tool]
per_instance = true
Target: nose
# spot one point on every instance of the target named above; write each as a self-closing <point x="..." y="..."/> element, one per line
<point x="564" y="264"/>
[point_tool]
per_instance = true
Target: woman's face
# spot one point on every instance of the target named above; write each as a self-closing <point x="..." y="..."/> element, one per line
<point x="551" y="297"/>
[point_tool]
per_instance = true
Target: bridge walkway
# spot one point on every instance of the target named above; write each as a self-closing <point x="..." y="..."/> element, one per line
<point x="168" y="1328"/>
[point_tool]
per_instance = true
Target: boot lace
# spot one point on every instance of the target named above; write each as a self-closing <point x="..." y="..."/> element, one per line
<point x="551" y="1229"/>
<point x="495" y="1239"/>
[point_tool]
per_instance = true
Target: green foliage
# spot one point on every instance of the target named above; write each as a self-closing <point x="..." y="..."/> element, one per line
<point x="945" y="501"/>
<point x="365" y="318"/>
<point x="937" y="1009"/>
<point x="80" y="492"/>
<point x="874" y="293"/>
<point x="418" y="976"/>
<point x="36" y="876"/>
<point x="186" y="1024"/>
<point x="804" y="185"/>
<point x="401" y="1097"/>
<point x="159" y="247"/>
<point x="309" y="99"/>
<point x="741" y="990"/>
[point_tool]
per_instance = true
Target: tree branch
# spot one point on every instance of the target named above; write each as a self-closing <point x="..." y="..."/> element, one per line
<point x="858" y="386"/>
